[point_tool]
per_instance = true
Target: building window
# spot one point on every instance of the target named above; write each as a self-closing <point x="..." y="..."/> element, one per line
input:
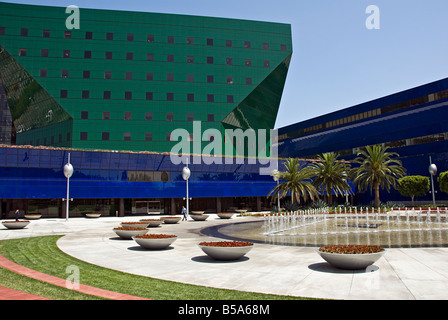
<point x="64" y="94"/>
<point x="109" y="36"/>
<point x="190" y="40"/>
<point x="43" y="73"/>
<point x="64" y="74"/>
<point x="129" y="56"/>
<point x="85" y="94"/>
<point x="229" y="43"/>
<point x="45" y="33"/>
<point x="105" y="136"/>
<point x="108" y="55"/>
<point x="210" y="117"/>
<point x="24" y="32"/>
<point x="249" y="81"/>
<point x="283" y="47"/>
<point x="150" y="38"/>
<point x="190" y="59"/>
<point x="210" y="98"/>
<point x="128" y="75"/>
<point x="89" y="35"/>
<point x="248" y="62"/>
<point x="149" y="76"/>
<point x="190" y="97"/>
<point x="169" y="116"/>
<point x="229" y="61"/>
<point x="106" y="114"/>
<point x="170" y="39"/>
<point x="148" y="116"/>
<point x="22" y="52"/>
<point x="210" y="79"/>
<point x="148" y="136"/>
<point x="128" y="95"/>
<point x="68" y="136"/>
<point x="150" y="57"/>
<point x="190" y="77"/>
<point x="265" y="46"/>
<point x="127" y="115"/>
<point x="170" y="57"/>
<point x="87" y="54"/>
<point x="130" y="37"/>
<point x="170" y="96"/>
<point x="190" y="117"/>
<point x="107" y="74"/>
<point x="126" y="136"/>
<point x="2" y="31"/>
<point x="149" y="96"/>
<point x="107" y="95"/>
<point x="229" y="80"/>
<point x="209" y="60"/>
<point x="266" y="64"/>
<point x="247" y="44"/>
<point x="86" y="74"/>
<point x="66" y="53"/>
<point x="83" y="136"/>
<point x="67" y="34"/>
<point x="84" y="115"/>
<point x="170" y="77"/>
<point x="209" y="42"/>
<point x="229" y="99"/>
<point x="44" y="52"/>
<point x="168" y="137"/>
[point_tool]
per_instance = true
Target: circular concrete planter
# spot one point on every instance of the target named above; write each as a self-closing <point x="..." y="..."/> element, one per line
<point x="135" y="224"/>
<point x="225" y="215"/>
<point x="171" y="220"/>
<point x="155" y="241"/>
<point x="33" y="216"/>
<point x="196" y="212"/>
<point x="225" y="252"/>
<point x="241" y="211"/>
<point x="153" y="222"/>
<point x="15" y="224"/>
<point x="199" y="217"/>
<point x="128" y="233"/>
<point x="350" y="261"/>
<point x="93" y="215"/>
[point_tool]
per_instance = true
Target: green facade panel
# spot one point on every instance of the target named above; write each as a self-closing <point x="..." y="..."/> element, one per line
<point x="126" y="80"/>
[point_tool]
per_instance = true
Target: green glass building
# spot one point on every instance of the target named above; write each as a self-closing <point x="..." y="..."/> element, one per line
<point x="125" y="80"/>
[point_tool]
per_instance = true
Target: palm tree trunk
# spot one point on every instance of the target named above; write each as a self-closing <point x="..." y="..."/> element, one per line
<point x="376" y="186"/>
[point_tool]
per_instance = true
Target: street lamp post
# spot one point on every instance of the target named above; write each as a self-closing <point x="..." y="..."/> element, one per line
<point x="68" y="172"/>
<point x="276" y="178"/>
<point x="186" y="175"/>
<point x="432" y="171"/>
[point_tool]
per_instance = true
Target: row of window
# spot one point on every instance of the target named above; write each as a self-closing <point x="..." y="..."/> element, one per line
<point x="149" y="76"/>
<point x="149" y="57"/>
<point x="105" y="136"/>
<point x="150" y="38"/>
<point x="127" y="115"/>
<point x="149" y="96"/>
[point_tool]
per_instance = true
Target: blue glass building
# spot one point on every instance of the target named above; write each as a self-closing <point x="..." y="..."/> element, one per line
<point x="413" y="123"/>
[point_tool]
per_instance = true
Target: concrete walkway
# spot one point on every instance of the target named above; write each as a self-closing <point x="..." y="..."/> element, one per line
<point x="403" y="274"/>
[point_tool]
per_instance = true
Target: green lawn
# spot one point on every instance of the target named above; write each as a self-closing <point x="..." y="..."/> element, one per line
<point x="42" y="254"/>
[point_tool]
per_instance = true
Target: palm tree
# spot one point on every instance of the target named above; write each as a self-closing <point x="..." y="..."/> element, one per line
<point x="377" y="168"/>
<point x="296" y="180"/>
<point x="331" y="175"/>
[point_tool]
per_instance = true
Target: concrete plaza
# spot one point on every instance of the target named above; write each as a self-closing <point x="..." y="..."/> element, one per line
<point x="401" y="274"/>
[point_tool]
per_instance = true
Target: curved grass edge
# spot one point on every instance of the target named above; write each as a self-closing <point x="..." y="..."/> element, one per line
<point x="42" y="254"/>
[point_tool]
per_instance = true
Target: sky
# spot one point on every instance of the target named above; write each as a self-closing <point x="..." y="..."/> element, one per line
<point x="337" y="61"/>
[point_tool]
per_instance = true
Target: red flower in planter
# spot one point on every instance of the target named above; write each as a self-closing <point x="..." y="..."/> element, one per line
<point x="351" y="249"/>
<point x="227" y="244"/>
<point x="129" y="228"/>
<point x="156" y="236"/>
